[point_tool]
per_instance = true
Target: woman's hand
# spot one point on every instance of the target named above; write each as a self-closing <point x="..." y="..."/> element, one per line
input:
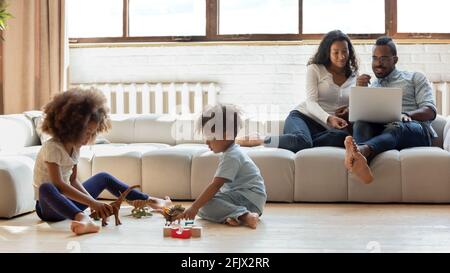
<point x="103" y="210"/>
<point x="342" y="112"/>
<point x="337" y="122"/>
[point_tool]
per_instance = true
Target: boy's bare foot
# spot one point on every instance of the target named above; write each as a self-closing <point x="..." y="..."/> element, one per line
<point x="355" y="162"/>
<point x="232" y="222"/>
<point x="159" y="203"/>
<point x="82" y="224"/>
<point x="250" y="219"/>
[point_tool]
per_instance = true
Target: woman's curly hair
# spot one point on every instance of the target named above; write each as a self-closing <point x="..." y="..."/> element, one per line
<point x="322" y="56"/>
<point x="68" y="114"/>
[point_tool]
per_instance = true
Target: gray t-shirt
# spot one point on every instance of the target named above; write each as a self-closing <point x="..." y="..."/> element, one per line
<point x="242" y="175"/>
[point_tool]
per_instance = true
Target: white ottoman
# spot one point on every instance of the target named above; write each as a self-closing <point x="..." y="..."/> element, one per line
<point x="16" y="184"/>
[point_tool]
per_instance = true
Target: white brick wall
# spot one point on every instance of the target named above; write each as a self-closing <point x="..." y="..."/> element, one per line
<point x="248" y="75"/>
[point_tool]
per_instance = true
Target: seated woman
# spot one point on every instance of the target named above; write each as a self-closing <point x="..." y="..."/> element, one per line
<point x="321" y="119"/>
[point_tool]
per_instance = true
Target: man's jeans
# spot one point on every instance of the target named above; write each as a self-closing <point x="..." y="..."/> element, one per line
<point x="391" y="136"/>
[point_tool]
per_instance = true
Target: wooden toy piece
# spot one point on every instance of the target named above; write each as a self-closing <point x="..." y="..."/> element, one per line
<point x="167" y="231"/>
<point x="196" y="232"/>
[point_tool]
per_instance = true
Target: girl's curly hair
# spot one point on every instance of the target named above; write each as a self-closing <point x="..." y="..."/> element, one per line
<point x="68" y="114"/>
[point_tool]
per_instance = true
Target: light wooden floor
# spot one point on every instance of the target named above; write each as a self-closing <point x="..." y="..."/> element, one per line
<point x="283" y="228"/>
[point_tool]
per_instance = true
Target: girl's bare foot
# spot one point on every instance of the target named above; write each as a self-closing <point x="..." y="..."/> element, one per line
<point x="232" y="222"/>
<point x="82" y="224"/>
<point x="159" y="203"/>
<point x="355" y="162"/>
<point x="250" y="219"/>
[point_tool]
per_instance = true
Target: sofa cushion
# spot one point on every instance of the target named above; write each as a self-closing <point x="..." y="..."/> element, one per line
<point x="387" y="184"/>
<point x="320" y="175"/>
<point x="168" y="171"/>
<point x="277" y="169"/>
<point x="121" y="161"/>
<point x="16" y="184"/>
<point x="17" y="132"/>
<point x="154" y="128"/>
<point x="425" y="175"/>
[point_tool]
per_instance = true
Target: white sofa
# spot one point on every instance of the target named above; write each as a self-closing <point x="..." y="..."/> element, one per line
<point x="165" y="156"/>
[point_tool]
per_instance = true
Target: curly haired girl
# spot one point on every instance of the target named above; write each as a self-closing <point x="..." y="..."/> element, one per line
<point x="73" y="119"/>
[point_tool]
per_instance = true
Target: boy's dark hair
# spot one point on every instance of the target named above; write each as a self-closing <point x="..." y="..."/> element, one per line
<point x="387" y="41"/>
<point x="68" y="114"/>
<point x="221" y="121"/>
<point x="322" y="55"/>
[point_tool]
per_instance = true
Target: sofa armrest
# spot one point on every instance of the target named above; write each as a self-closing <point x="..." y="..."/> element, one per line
<point x="446" y="135"/>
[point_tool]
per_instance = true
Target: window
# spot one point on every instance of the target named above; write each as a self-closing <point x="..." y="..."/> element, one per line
<point x="167" y="18"/>
<point x="350" y="16"/>
<point x="92" y="21"/>
<point x="416" y="16"/>
<point x="258" y="17"/>
<point x="95" y="18"/>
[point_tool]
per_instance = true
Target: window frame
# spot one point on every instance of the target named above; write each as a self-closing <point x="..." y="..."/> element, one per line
<point x="212" y="30"/>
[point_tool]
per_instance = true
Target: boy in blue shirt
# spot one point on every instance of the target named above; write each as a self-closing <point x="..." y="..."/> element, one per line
<point x="236" y="195"/>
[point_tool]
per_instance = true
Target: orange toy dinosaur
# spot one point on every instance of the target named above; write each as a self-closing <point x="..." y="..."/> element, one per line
<point x="116" y="207"/>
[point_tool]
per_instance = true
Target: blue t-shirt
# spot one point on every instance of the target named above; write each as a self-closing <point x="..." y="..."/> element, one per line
<point x="242" y="175"/>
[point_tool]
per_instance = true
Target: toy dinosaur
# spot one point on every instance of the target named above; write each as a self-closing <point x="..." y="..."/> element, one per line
<point x="115" y="206"/>
<point x="140" y="207"/>
<point x="170" y="214"/>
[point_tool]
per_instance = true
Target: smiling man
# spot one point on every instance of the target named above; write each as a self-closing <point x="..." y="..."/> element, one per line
<point x="418" y="111"/>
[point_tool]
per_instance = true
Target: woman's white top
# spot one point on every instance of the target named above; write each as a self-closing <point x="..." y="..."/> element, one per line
<point x="53" y="151"/>
<point x="323" y="96"/>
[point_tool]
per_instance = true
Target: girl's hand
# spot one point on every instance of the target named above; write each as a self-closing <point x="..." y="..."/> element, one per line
<point x="103" y="210"/>
<point x="337" y="122"/>
<point x="189" y="213"/>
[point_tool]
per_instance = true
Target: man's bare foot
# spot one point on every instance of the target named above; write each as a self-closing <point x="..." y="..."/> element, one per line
<point x="250" y="219"/>
<point x="360" y="168"/>
<point x="82" y="224"/>
<point x="355" y="162"/>
<point x="232" y="222"/>
<point x="158" y="203"/>
<point x="349" y="150"/>
<point x="250" y="141"/>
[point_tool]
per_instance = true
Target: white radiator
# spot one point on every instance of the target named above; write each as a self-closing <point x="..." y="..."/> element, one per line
<point x="441" y="93"/>
<point x="159" y="98"/>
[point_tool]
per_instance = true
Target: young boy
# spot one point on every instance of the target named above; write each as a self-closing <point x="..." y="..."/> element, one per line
<point x="236" y="195"/>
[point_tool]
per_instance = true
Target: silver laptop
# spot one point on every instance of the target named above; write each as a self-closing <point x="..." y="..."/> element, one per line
<point x="374" y="104"/>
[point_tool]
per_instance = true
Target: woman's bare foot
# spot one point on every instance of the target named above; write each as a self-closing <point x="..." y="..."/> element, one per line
<point x="355" y="162"/>
<point x="250" y="141"/>
<point x="232" y="222"/>
<point x="250" y="219"/>
<point x="159" y="203"/>
<point x="82" y="224"/>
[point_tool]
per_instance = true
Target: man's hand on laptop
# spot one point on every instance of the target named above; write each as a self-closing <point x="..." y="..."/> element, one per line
<point x="336" y="122"/>
<point x="363" y="80"/>
<point x="406" y="117"/>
